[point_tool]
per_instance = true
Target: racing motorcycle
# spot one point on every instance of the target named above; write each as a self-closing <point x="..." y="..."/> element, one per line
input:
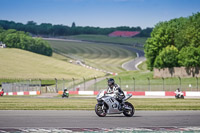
<point x="179" y="95"/>
<point x="107" y="104"/>
<point x="65" y="94"/>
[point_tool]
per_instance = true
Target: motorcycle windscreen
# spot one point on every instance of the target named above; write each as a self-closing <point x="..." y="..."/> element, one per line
<point x="127" y="97"/>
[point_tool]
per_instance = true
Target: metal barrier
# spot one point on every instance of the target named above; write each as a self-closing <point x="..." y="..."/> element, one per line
<point x="150" y="84"/>
<point x="22" y="86"/>
<point x="127" y="84"/>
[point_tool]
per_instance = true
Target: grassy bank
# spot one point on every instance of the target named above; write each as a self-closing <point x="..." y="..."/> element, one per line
<point x="21" y="64"/>
<point x="101" y="56"/>
<point x="32" y="103"/>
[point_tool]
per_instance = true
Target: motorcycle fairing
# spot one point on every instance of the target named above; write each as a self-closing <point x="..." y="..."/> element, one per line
<point x="113" y="105"/>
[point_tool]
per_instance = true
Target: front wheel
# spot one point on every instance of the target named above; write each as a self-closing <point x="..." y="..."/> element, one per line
<point x="100" y="110"/>
<point x="128" y="109"/>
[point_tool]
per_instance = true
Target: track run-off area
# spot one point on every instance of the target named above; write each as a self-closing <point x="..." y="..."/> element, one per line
<point x="88" y="120"/>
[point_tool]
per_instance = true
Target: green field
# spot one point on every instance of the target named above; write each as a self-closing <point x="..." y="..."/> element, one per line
<point x="143" y="66"/>
<point x="101" y="56"/>
<point x="107" y="39"/>
<point x="33" y="103"/>
<point x="20" y="64"/>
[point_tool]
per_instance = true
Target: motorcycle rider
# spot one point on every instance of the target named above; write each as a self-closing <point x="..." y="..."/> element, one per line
<point x="115" y="88"/>
<point x="65" y="93"/>
<point x="178" y="93"/>
<point x="2" y="92"/>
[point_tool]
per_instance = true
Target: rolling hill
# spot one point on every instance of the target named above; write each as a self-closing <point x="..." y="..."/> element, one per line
<point x="20" y="64"/>
<point x="101" y="56"/>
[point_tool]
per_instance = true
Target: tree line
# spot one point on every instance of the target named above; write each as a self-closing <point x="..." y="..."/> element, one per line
<point x="22" y="40"/>
<point x="174" y="43"/>
<point x="48" y="29"/>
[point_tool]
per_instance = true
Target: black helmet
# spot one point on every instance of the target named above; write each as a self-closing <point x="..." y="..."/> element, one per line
<point x="111" y="81"/>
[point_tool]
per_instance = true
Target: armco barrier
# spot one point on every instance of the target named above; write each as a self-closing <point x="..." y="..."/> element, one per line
<point x="142" y="93"/>
<point x="21" y="93"/>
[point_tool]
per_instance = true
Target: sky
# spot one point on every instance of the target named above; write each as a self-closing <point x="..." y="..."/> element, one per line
<point x="97" y="13"/>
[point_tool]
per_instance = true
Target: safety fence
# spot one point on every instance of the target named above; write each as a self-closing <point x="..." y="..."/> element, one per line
<point x="127" y="84"/>
<point x="151" y="84"/>
<point x="22" y="86"/>
<point x="55" y="85"/>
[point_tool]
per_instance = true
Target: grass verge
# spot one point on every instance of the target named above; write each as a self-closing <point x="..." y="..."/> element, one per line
<point x="33" y="103"/>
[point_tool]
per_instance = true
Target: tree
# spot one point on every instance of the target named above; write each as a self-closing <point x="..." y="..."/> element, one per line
<point x="159" y="39"/>
<point x="179" y="32"/>
<point x="190" y="33"/>
<point x="189" y="56"/>
<point x="31" y="27"/>
<point x="73" y="25"/>
<point x="167" y="58"/>
<point x="21" y="40"/>
<point x="47" y="29"/>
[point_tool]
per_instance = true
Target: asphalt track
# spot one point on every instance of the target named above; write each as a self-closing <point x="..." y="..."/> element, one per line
<point x="88" y="119"/>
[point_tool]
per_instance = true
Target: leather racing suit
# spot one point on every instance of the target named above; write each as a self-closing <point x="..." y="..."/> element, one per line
<point x="117" y="91"/>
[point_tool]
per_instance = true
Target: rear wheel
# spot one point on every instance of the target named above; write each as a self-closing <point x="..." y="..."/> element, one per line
<point x="128" y="109"/>
<point x="100" y="110"/>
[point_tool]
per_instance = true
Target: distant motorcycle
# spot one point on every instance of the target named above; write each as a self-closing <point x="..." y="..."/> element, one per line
<point x="179" y="95"/>
<point x="65" y="94"/>
<point x="1" y="92"/>
<point x="107" y="104"/>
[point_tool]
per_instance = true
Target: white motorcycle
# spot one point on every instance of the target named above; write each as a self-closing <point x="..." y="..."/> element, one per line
<point x="107" y="104"/>
<point x="179" y="95"/>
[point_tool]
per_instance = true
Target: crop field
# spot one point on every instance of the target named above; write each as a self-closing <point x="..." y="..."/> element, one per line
<point x="104" y="38"/>
<point x="101" y="56"/>
<point x="20" y="64"/>
<point x="34" y="103"/>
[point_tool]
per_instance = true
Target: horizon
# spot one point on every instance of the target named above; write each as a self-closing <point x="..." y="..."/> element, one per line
<point x="97" y="13"/>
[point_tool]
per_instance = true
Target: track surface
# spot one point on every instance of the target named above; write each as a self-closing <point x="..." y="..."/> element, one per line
<point x="88" y="119"/>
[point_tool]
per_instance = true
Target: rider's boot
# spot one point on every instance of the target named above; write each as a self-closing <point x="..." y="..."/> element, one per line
<point x="121" y="106"/>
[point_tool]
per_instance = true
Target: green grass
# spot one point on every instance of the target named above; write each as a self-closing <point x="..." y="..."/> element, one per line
<point x="107" y="39"/>
<point x="101" y="56"/>
<point x="20" y="64"/>
<point x="32" y="103"/>
<point x="143" y="66"/>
